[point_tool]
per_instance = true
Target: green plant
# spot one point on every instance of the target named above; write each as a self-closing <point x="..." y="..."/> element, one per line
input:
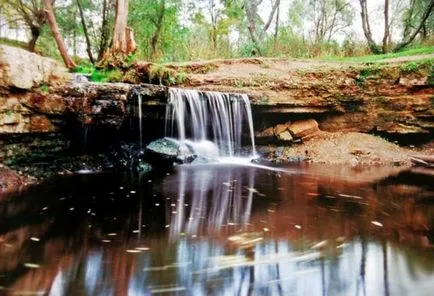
<point x="410" y="67"/>
<point x="366" y="73"/>
<point x="44" y="88"/>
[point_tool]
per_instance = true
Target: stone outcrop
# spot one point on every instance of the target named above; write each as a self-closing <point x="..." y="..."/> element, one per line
<point x="289" y="132"/>
<point x="392" y="98"/>
<point x="25" y="70"/>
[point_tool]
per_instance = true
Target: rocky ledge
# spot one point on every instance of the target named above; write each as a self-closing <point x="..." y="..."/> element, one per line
<point x="391" y="97"/>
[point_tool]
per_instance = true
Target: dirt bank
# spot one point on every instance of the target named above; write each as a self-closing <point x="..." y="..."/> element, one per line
<point x="354" y="149"/>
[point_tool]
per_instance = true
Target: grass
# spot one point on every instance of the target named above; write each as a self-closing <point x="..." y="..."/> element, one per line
<point x="12" y="42"/>
<point x="380" y="57"/>
<point x="96" y="75"/>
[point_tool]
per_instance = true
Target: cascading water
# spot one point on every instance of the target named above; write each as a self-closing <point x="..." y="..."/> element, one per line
<point x="198" y="119"/>
<point x="139" y="106"/>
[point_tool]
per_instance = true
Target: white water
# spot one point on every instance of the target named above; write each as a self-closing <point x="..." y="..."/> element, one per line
<point x="210" y="122"/>
<point x="139" y="103"/>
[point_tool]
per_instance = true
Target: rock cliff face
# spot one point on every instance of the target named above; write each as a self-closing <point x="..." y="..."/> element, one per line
<point x="395" y="97"/>
<point x="39" y="96"/>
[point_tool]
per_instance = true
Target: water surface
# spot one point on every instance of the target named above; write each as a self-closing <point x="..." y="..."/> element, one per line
<point x="221" y="230"/>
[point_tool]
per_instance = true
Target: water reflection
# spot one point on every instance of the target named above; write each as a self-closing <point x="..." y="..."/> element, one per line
<point x="219" y="230"/>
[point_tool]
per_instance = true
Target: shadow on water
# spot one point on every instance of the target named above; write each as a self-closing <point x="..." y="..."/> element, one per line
<point x="220" y="230"/>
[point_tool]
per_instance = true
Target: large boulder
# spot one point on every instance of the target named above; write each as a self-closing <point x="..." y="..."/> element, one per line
<point x="303" y="129"/>
<point x="167" y="152"/>
<point x="22" y="69"/>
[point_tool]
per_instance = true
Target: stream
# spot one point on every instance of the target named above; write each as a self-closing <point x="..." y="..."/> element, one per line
<point x="221" y="230"/>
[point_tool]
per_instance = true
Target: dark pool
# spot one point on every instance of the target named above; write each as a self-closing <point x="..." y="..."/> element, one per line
<point x="221" y="230"/>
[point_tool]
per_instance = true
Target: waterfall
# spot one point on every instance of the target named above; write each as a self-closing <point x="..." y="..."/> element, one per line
<point x="139" y="103"/>
<point x="197" y="118"/>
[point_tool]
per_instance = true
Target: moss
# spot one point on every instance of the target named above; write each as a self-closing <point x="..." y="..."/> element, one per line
<point x="367" y="73"/>
<point x="431" y="77"/>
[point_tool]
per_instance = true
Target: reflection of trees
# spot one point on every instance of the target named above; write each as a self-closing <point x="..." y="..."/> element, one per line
<point x="226" y="202"/>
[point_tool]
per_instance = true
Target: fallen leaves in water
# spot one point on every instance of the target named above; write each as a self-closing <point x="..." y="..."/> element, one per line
<point x="319" y="245"/>
<point x="376" y="223"/>
<point x="32" y="265"/>
<point x="142" y="248"/>
<point x="246" y="240"/>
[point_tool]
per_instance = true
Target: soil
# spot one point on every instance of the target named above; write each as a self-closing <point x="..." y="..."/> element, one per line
<point x="354" y="149"/>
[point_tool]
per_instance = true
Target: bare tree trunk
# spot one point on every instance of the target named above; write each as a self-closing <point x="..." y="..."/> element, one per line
<point x="258" y="34"/>
<point x="276" y="29"/>
<point x="36" y="32"/>
<point x="104" y="30"/>
<point x="386" y="27"/>
<point x="86" y="35"/>
<point x="74" y="34"/>
<point x="120" y="33"/>
<point x="425" y="16"/>
<point x="69" y="63"/>
<point x="158" y="26"/>
<point x="367" y="27"/>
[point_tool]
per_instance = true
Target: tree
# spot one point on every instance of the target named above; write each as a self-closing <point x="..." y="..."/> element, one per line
<point x="48" y="8"/>
<point x="367" y="26"/>
<point x="410" y="25"/>
<point x="157" y="28"/>
<point x="158" y="22"/>
<point x="257" y="31"/>
<point x="330" y="17"/>
<point x="86" y="34"/>
<point x="105" y="31"/>
<point x="418" y="25"/>
<point x="32" y="14"/>
<point x="123" y="39"/>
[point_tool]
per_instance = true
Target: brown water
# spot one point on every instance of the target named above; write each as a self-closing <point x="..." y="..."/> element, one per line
<point x="221" y="230"/>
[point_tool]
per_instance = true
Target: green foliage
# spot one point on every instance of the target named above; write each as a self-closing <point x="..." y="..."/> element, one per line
<point x="410" y="67"/>
<point x="44" y="88"/>
<point x="99" y="75"/>
<point x="378" y="58"/>
<point x="365" y="74"/>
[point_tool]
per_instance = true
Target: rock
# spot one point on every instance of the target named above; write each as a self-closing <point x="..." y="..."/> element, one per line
<point x="280" y="128"/>
<point x="143" y="167"/>
<point x="268" y="132"/>
<point x="11" y="181"/>
<point x="285" y="136"/>
<point x="304" y="128"/>
<point x="165" y="147"/>
<point x="25" y="70"/>
<point x="167" y="152"/>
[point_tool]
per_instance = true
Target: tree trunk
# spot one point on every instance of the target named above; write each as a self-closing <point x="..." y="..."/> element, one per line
<point x="158" y="27"/>
<point x="104" y="31"/>
<point x="120" y="28"/>
<point x="367" y="27"/>
<point x="425" y="16"/>
<point x="69" y="63"/>
<point x="36" y="32"/>
<point x="386" y="27"/>
<point x="86" y="35"/>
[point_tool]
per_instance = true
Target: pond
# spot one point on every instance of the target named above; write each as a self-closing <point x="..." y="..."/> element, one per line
<point x="221" y="230"/>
